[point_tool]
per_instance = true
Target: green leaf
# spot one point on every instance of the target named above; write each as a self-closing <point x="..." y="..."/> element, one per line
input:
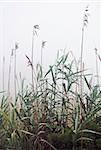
<point x="88" y="85"/>
<point x="53" y="77"/>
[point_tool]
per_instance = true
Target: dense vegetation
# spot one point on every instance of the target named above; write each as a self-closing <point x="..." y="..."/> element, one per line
<point x="60" y="110"/>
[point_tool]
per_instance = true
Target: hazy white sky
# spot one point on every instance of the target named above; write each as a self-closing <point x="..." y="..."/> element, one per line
<point x="60" y="25"/>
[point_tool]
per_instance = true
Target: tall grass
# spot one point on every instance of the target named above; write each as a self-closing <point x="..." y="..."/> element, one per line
<point x="55" y="104"/>
<point x="59" y="114"/>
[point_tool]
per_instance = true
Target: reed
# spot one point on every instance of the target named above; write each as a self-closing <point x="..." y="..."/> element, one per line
<point x="60" y="113"/>
<point x="9" y="73"/>
<point x="3" y="74"/>
<point x="35" y="28"/>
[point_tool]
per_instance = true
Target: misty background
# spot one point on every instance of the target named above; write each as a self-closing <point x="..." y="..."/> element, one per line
<point x="60" y="25"/>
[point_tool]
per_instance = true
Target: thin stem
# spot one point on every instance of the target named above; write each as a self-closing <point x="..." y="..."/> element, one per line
<point x="81" y="82"/>
<point x="42" y="57"/>
<point x="81" y="65"/>
<point x="3" y="75"/>
<point x="97" y="73"/>
<point x="15" y="71"/>
<point x="85" y="22"/>
<point x="9" y="73"/>
<point x="32" y="61"/>
<point x="42" y="47"/>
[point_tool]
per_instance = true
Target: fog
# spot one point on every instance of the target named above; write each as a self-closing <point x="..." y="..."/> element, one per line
<point x="60" y="25"/>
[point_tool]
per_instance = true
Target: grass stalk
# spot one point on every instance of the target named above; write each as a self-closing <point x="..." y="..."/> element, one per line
<point x="81" y="64"/>
<point x="32" y="60"/>
<point x="42" y="47"/>
<point x="3" y="74"/>
<point x="97" y="72"/>
<point x="85" y="22"/>
<point x="9" y="72"/>
<point x="16" y="47"/>
<point x="32" y="54"/>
